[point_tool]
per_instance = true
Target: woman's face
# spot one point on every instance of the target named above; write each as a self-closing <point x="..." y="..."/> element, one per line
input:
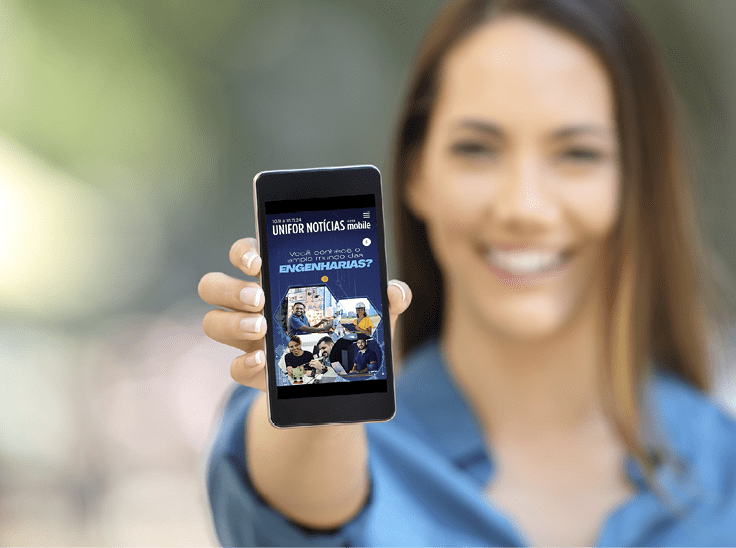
<point x="518" y="183"/>
<point x="295" y="348"/>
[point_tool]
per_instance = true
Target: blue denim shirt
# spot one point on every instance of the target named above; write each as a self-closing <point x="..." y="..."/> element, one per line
<point x="429" y="468"/>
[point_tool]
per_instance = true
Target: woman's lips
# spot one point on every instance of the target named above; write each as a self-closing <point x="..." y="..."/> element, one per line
<point x="527" y="264"/>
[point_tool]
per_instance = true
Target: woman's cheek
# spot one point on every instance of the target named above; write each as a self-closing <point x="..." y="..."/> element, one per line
<point x="595" y="207"/>
<point x="455" y="222"/>
<point x="462" y="202"/>
<point x="445" y="240"/>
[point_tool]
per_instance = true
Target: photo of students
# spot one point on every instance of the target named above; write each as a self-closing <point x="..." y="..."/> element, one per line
<point x="336" y="354"/>
<point x="325" y="354"/>
<point x="359" y="316"/>
<point x="328" y="338"/>
<point x="298" y="358"/>
<point x="299" y="323"/>
<point x="363" y="323"/>
<point x="365" y="359"/>
<point x="307" y="310"/>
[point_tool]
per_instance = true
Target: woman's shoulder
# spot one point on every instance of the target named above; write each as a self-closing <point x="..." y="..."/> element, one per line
<point x="689" y="412"/>
<point x="701" y="432"/>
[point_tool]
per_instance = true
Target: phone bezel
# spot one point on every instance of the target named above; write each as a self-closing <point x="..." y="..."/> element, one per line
<point x="326" y="182"/>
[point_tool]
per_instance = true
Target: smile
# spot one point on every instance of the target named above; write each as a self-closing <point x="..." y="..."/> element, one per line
<point x="524" y="262"/>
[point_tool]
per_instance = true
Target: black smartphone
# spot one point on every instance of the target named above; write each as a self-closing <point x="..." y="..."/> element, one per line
<point x="321" y="238"/>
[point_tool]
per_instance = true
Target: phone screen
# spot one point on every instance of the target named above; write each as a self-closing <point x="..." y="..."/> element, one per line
<point x="325" y="292"/>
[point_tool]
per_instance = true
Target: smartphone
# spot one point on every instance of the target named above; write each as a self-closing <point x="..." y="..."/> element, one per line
<point x="321" y="238"/>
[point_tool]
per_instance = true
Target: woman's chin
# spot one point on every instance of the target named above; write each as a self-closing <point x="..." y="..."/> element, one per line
<point x="529" y="323"/>
<point x="528" y="332"/>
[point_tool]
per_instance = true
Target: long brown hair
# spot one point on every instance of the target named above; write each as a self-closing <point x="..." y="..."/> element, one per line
<point x="656" y="295"/>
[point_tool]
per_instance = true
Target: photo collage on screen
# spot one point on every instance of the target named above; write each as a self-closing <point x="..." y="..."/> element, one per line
<point x="326" y="296"/>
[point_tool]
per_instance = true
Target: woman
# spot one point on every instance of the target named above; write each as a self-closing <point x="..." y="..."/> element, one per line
<point x="297" y="357"/>
<point x="553" y="392"/>
<point x="362" y="323"/>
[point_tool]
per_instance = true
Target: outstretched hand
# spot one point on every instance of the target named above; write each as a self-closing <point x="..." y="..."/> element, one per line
<point x="242" y="325"/>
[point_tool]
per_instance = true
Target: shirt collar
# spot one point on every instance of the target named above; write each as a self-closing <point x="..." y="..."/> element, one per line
<point x="432" y="402"/>
<point x="427" y="389"/>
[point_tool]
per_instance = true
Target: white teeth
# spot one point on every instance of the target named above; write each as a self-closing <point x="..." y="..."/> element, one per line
<point x="524" y="262"/>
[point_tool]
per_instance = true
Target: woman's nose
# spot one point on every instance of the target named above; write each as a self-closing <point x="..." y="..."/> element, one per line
<point x="524" y="201"/>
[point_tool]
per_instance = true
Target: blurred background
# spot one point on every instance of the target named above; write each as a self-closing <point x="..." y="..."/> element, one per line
<point x="130" y="132"/>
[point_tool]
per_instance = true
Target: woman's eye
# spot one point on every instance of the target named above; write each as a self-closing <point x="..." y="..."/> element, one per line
<point x="581" y="155"/>
<point x="472" y="148"/>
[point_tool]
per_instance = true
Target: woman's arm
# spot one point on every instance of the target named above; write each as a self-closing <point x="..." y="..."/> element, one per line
<point x="307" y="498"/>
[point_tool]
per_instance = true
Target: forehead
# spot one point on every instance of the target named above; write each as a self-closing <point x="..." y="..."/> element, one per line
<point x="293" y="343"/>
<point x="520" y="72"/>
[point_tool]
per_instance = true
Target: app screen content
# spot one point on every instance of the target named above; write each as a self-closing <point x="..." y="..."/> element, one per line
<point x="325" y="284"/>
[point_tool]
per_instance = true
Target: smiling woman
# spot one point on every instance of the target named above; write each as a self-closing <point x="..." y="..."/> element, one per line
<point x="553" y="141"/>
<point x="554" y="386"/>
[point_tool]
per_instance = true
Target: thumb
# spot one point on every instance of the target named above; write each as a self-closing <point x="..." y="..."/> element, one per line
<point x="399" y="299"/>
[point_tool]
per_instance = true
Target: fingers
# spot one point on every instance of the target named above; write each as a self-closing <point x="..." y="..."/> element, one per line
<point x="242" y="327"/>
<point x="239" y="329"/>
<point x="249" y="369"/>
<point x="220" y="289"/>
<point x="244" y="255"/>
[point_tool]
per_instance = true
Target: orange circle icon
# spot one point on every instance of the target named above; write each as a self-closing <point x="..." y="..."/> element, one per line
<point x="325" y="278"/>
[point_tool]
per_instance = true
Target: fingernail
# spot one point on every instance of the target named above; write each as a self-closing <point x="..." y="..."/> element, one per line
<point x="251" y="295"/>
<point x="252" y="325"/>
<point x="248" y="258"/>
<point x="403" y="293"/>
<point x="256" y="359"/>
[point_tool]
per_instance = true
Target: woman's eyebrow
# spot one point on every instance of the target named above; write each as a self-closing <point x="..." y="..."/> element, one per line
<point x="583" y="129"/>
<point x="493" y="130"/>
<point x="482" y="126"/>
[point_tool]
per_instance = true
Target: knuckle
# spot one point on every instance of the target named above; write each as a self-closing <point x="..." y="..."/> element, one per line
<point x="204" y="284"/>
<point x="235" y="369"/>
<point x="233" y="327"/>
<point x="235" y="252"/>
<point x="240" y="247"/>
<point x="208" y="323"/>
<point x="238" y="370"/>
